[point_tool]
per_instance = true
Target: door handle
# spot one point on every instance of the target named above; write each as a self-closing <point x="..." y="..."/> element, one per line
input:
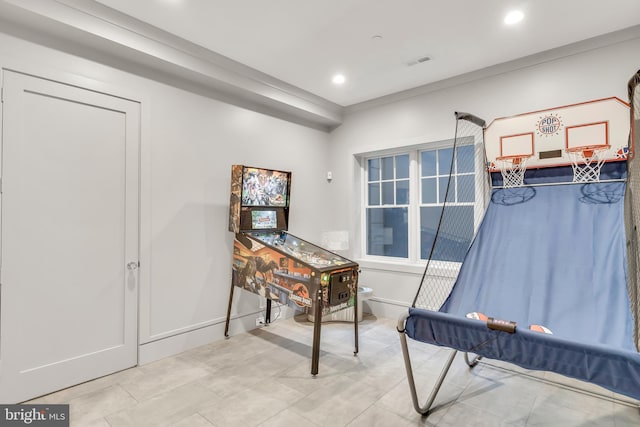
<point x="132" y="266"/>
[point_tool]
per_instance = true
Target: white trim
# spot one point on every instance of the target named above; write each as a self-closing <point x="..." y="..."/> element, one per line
<point x="437" y="268"/>
<point x="415" y="192"/>
<point x="414" y="207"/>
<point x="183" y="339"/>
<point x="388" y="301"/>
<point x="406" y="145"/>
<point x="361" y="163"/>
<point x="388" y="264"/>
<point x="390" y="309"/>
<point x="284" y="310"/>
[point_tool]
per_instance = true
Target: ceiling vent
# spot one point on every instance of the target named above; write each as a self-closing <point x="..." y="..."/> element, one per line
<point x="419" y="61"/>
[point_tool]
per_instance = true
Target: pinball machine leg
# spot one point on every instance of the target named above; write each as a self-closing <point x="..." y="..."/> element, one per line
<point x="355" y="320"/>
<point x="226" y="325"/>
<point x="267" y="316"/>
<point x="317" y="321"/>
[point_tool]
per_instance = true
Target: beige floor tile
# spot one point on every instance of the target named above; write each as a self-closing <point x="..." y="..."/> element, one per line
<point x="299" y="377"/>
<point x="162" y="376"/>
<point x="98" y="404"/>
<point x="626" y="416"/>
<point x="166" y="408"/>
<point x="263" y="378"/>
<point x="398" y="400"/>
<point x="237" y="378"/>
<point x="287" y="418"/>
<point x="379" y="416"/>
<point x="251" y="407"/>
<point x="578" y="384"/>
<point x="67" y="394"/>
<point x="100" y="422"/>
<point x="337" y="403"/>
<point x="195" y="420"/>
<point x="461" y="414"/>
<point x="492" y="391"/>
<point x="559" y="407"/>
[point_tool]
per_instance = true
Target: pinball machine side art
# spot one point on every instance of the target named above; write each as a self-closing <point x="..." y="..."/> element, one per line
<point x="266" y="272"/>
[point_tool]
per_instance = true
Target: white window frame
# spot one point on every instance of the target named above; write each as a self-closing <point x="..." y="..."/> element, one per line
<point x="412" y="221"/>
<point x="413" y="263"/>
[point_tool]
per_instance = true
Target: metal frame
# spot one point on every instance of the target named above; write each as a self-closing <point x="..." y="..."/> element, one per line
<point x="425" y="410"/>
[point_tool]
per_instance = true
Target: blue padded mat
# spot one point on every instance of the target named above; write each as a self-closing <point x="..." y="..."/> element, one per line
<point x="615" y="369"/>
<point x="553" y="256"/>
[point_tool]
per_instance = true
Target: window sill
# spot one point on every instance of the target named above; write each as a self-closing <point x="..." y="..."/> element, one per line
<point x="439" y="268"/>
<point x="397" y="266"/>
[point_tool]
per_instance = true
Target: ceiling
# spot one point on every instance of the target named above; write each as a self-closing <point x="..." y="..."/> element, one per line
<point x="304" y="43"/>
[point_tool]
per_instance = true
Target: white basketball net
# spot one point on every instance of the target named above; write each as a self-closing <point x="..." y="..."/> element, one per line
<point x="587" y="163"/>
<point x="512" y="170"/>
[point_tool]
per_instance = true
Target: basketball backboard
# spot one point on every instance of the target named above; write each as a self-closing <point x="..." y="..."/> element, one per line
<point x="545" y="136"/>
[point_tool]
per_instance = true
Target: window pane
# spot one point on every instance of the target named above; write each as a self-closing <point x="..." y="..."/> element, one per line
<point x="428" y="225"/>
<point x="402" y="192"/>
<point x="387" y="168"/>
<point x="455" y="235"/>
<point x="428" y="162"/>
<point x="374" y="194"/>
<point x="466" y="188"/>
<point x="387" y="232"/>
<point x="387" y="193"/>
<point x="443" y="188"/>
<point x="429" y="191"/>
<point x="374" y="169"/>
<point x="444" y="161"/>
<point x="402" y="166"/>
<point x="465" y="158"/>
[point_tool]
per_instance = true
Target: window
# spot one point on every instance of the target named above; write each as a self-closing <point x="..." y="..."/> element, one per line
<point x="404" y="197"/>
<point x="388" y="204"/>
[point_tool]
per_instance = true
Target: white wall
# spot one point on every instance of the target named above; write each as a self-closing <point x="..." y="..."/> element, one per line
<point x="189" y="143"/>
<point x="598" y="73"/>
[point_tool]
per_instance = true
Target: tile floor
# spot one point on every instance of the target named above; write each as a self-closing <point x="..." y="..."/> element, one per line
<point x="261" y="378"/>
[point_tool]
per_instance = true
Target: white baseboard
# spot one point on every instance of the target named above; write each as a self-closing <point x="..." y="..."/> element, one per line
<point x="390" y="309"/>
<point x="176" y="344"/>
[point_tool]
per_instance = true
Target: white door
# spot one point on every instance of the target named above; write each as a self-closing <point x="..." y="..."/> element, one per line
<point x="69" y="254"/>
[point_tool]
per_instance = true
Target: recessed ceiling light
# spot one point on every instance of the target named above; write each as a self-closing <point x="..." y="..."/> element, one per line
<point x="339" y="79"/>
<point x="513" y="17"/>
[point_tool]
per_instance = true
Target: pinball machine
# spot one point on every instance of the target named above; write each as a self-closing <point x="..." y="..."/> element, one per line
<point x="275" y="264"/>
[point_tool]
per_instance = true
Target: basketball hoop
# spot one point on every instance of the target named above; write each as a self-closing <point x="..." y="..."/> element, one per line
<point x="587" y="162"/>
<point x="512" y="169"/>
